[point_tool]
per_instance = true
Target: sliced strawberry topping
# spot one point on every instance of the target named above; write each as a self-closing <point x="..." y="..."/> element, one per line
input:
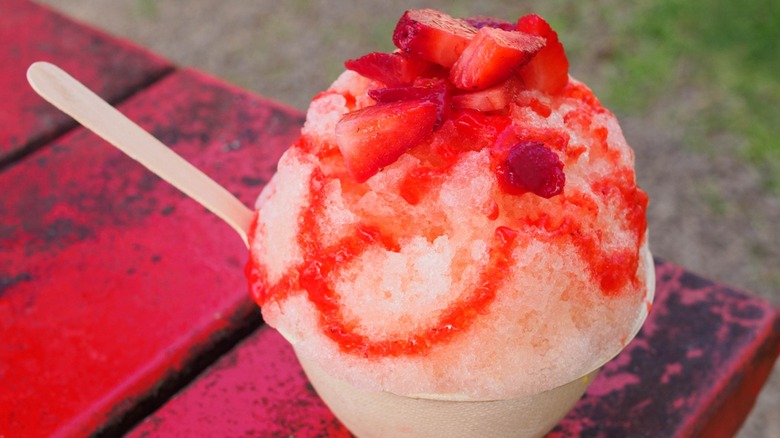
<point x="478" y="129"/>
<point x="375" y="136"/>
<point x="459" y="77"/>
<point x="548" y="71"/>
<point x="432" y="35"/>
<point x="392" y="69"/>
<point x="494" y="98"/>
<point x="480" y="21"/>
<point x="536" y="25"/>
<point x="433" y="90"/>
<point x="492" y="56"/>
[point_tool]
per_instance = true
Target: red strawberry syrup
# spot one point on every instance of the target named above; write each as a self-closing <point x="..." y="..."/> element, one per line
<point x="612" y="270"/>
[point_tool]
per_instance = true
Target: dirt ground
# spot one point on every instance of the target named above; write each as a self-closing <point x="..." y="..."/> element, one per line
<point x="709" y="211"/>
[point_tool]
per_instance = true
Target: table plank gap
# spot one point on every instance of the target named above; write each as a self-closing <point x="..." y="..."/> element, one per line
<point x="45" y="138"/>
<point x="200" y="361"/>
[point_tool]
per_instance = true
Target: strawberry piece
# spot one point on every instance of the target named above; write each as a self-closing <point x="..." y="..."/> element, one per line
<point x="548" y="71"/>
<point x="435" y="91"/>
<point x="492" y="99"/>
<point x="375" y="136"/>
<point x="536" y="25"/>
<point x="432" y="90"/>
<point x="532" y="167"/>
<point x="480" y="21"/>
<point x="492" y="57"/>
<point x="392" y="69"/>
<point x="477" y="130"/>
<point x="432" y="35"/>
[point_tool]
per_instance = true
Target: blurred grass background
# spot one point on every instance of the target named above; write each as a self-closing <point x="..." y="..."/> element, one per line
<point x="695" y="84"/>
<point x="727" y="51"/>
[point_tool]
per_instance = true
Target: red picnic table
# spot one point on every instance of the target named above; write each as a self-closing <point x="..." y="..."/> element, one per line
<point x="123" y="304"/>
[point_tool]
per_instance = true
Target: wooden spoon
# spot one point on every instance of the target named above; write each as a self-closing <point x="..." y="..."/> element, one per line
<point x="73" y="98"/>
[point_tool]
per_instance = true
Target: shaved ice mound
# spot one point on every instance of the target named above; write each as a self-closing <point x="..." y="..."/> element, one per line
<point x="494" y="247"/>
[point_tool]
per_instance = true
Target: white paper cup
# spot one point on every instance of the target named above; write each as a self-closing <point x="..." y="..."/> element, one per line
<point x="382" y="414"/>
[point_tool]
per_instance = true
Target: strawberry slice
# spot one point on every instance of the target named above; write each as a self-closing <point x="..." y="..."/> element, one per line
<point x="375" y="136"/>
<point x="392" y="69"/>
<point x="432" y="35"/>
<point x="491" y="99"/>
<point x="548" y="71"/>
<point x="433" y="90"/>
<point x="492" y="57"/>
<point x="481" y="21"/>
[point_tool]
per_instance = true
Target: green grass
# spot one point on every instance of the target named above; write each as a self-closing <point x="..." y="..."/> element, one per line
<point x="147" y="9"/>
<point x="724" y="51"/>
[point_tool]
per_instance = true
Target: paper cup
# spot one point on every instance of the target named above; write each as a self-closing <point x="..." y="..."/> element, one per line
<point x="383" y="414"/>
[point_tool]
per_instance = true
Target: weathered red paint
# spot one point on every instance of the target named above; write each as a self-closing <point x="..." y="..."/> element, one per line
<point x="29" y="32"/>
<point x="111" y="281"/>
<point x="258" y="389"/>
<point x="681" y="377"/>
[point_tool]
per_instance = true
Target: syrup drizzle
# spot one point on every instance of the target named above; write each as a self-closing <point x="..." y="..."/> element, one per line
<point x="313" y="274"/>
<point x="613" y="270"/>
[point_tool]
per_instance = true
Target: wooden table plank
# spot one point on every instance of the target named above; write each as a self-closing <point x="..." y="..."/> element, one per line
<point x="111" y="281"/>
<point x="696" y="367"/>
<point x="258" y="389"/>
<point x="29" y="32"/>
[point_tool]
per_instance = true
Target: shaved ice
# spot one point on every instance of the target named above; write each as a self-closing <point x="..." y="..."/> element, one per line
<point x="450" y="241"/>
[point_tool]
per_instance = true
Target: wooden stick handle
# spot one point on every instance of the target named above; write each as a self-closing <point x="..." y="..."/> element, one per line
<point x="73" y="98"/>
